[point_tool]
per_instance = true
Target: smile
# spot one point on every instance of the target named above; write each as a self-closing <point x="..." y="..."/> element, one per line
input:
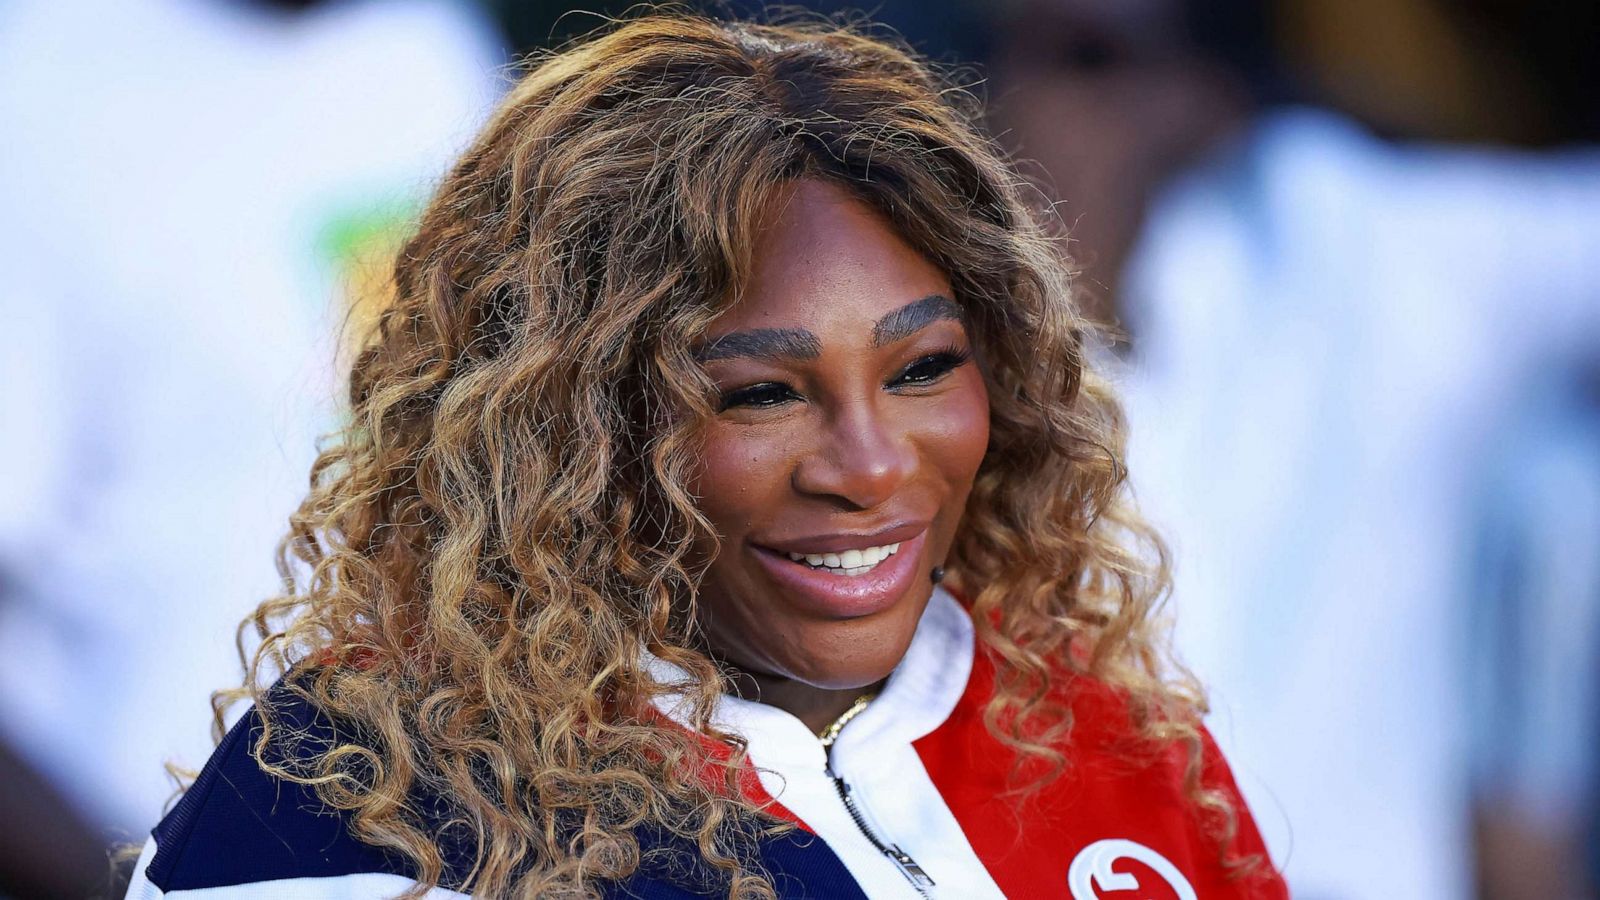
<point x="849" y="562"/>
<point x="830" y="577"/>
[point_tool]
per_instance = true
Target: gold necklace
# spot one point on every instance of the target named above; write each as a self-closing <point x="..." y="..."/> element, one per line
<point x="830" y="734"/>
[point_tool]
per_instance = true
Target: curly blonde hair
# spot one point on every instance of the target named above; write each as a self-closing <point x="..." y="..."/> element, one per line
<point x="503" y="529"/>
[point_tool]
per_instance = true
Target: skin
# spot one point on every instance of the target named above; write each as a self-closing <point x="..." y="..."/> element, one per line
<point x="850" y="404"/>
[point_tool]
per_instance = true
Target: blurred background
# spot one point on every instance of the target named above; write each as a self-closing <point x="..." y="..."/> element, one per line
<point x="1352" y="246"/>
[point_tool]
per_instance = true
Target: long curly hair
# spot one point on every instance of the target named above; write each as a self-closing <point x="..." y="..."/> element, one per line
<point x="503" y="530"/>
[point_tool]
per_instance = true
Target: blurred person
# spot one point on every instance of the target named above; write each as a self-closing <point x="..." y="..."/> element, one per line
<point x="731" y="506"/>
<point x="1535" y="619"/>
<point x="1329" y="330"/>
<point x="191" y="189"/>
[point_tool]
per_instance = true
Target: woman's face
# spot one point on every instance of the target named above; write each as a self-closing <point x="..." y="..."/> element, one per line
<point x="851" y="423"/>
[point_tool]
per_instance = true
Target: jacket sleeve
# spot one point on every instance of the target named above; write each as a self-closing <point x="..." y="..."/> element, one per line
<point x="1244" y="869"/>
<point x="140" y="887"/>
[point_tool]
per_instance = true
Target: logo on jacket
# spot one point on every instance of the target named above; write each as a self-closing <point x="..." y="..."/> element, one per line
<point x="1091" y="868"/>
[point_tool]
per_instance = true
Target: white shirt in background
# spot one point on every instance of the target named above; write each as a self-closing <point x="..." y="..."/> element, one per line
<point x="190" y="189"/>
<point x="1329" y="332"/>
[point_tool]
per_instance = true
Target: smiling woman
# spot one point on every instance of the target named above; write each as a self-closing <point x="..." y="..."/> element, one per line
<point x="850" y="426"/>
<point x="721" y="348"/>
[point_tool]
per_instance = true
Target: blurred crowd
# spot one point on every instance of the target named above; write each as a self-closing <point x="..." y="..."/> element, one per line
<point x="1351" y="249"/>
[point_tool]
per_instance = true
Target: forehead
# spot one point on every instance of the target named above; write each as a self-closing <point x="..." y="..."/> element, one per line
<point x="830" y="263"/>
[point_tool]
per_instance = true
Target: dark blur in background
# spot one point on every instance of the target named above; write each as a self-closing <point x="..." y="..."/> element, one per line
<point x="1352" y="248"/>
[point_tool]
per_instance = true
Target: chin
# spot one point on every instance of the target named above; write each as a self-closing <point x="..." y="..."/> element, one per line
<point x="853" y="654"/>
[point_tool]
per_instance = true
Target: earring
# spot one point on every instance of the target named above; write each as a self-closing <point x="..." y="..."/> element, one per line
<point x="937" y="574"/>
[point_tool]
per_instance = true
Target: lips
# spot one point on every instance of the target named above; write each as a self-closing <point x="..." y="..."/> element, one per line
<point x="840" y="541"/>
<point x="831" y="592"/>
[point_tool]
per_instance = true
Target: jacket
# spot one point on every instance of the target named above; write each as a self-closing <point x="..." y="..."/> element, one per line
<point x="914" y="800"/>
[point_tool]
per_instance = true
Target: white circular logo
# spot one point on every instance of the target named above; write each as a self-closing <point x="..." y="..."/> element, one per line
<point x="1092" y="868"/>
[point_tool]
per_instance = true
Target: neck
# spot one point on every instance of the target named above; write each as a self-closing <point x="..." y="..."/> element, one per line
<point x="816" y="707"/>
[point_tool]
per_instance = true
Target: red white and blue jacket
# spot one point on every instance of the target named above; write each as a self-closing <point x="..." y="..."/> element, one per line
<point x="914" y="800"/>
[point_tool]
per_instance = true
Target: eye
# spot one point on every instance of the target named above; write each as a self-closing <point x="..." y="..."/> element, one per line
<point x="758" y="396"/>
<point x="931" y="368"/>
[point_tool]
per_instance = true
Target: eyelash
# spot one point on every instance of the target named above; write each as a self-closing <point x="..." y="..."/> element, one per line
<point x="772" y="393"/>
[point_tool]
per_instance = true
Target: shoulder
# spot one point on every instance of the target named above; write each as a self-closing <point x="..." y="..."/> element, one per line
<point x="242" y="833"/>
<point x="239" y="825"/>
<point x="1117" y="796"/>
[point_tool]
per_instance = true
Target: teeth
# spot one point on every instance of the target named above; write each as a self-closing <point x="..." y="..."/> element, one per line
<point x="849" y="562"/>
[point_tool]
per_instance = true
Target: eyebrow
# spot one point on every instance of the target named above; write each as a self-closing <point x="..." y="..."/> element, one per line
<point x="798" y="343"/>
<point x="763" y="343"/>
<point x="915" y="316"/>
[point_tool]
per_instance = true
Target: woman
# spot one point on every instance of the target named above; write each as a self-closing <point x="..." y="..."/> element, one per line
<point x="729" y="508"/>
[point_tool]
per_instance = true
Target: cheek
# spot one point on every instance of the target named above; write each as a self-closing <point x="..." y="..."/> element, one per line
<point x="963" y="436"/>
<point x="739" y="468"/>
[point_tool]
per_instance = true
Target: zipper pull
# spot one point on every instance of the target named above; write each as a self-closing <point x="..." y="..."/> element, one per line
<point x="909" y="868"/>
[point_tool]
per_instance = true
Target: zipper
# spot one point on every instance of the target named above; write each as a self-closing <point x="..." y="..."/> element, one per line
<point x="901" y="859"/>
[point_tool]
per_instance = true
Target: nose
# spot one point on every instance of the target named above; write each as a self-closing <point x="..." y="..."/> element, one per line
<point x="861" y="457"/>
